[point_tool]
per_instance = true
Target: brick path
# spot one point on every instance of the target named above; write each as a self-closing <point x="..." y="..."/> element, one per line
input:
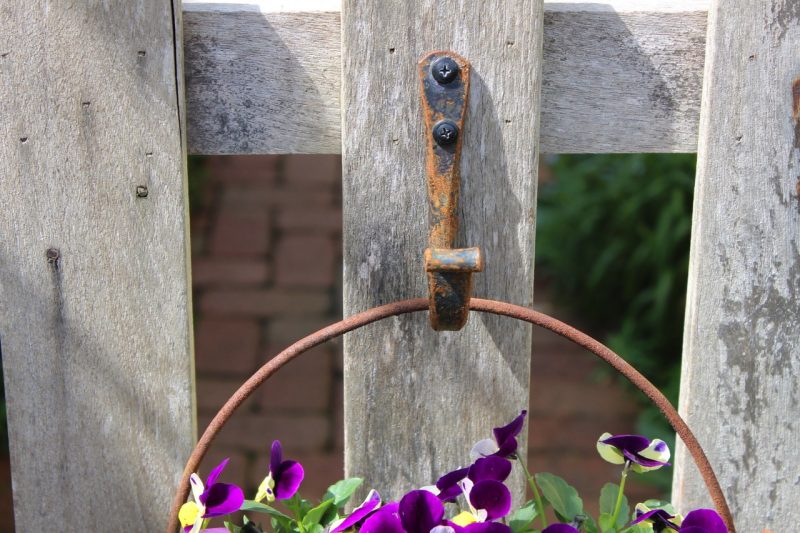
<point x="267" y="265"/>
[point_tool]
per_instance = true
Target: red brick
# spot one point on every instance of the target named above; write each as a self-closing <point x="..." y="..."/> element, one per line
<point x="239" y="232"/>
<point x="302" y="385"/>
<point x="305" y="261"/>
<point x="250" y="198"/>
<point x="284" y="331"/>
<point x="209" y="271"/>
<point x="244" y="169"/>
<point x="317" y="169"/>
<point x="255" y="432"/>
<point x="265" y="303"/>
<point x="226" y="346"/>
<point x="319" y="219"/>
<point x="212" y="393"/>
<point x="559" y="396"/>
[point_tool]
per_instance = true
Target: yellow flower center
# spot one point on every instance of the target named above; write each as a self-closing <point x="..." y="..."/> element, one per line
<point x="266" y="490"/>
<point x="188" y="514"/>
<point x="464" y="519"/>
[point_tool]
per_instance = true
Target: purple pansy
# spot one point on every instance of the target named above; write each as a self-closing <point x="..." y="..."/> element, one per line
<point x="372" y="502"/>
<point x="486" y="468"/>
<point x="210" y="500"/>
<point x="490" y="497"/>
<point x="640" y="452"/>
<point x="560" y="528"/>
<point x="420" y="511"/>
<point x="283" y="479"/>
<point x="703" y="521"/>
<point x="504" y="443"/>
<point x="697" y="521"/>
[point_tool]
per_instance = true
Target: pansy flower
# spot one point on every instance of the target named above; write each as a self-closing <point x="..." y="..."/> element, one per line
<point x="642" y="454"/>
<point x="283" y="479"/>
<point x="697" y="521"/>
<point x="492" y="467"/>
<point x="210" y="500"/>
<point x="504" y="443"/>
<point x="370" y="504"/>
<point x="560" y="528"/>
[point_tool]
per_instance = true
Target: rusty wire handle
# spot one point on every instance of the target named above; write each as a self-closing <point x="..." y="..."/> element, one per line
<point x="444" y="92"/>
<point x="476" y="304"/>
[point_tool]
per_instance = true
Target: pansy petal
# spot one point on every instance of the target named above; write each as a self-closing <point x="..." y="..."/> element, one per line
<point x="491" y="496"/>
<point x="382" y="522"/>
<point x="420" y="511"/>
<point x="197" y="487"/>
<point x="487" y="527"/>
<point x="275" y="457"/>
<point x="448" y="484"/>
<point x="608" y="452"/>
<point x="494" y="467"/>
<point x="212" y="477"/>
<point x="512" y="429"/>
<point x="508" y="447"/>
<point x="483" y="448"/>
<point x="372" y="501"/>
<point x="631" y="443"/>
<point x="560" y="528"/>
<point x="706" y="520"/>
<point x="443" y="529"/>
<point x="288" y="479"/>
<point x="222" y="499"/>
<point x="657" y="450"/>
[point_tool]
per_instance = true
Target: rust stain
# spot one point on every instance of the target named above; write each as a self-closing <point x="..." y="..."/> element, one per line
<point x="449" y="269"/>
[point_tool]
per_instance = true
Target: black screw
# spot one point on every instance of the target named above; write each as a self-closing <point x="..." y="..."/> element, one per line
<point x="444" y="70"/>
<point x="141" y="191"/>
<point x="445" y="132"/>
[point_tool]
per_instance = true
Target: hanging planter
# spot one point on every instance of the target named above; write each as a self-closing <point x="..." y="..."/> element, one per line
<point x="444" y="88"/>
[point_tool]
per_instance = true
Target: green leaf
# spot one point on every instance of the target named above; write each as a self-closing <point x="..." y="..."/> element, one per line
<point x="313" y="517"/>
<point x="589" y="526"/>
<point x="562" y="496"/>
<point x="250" y="505"/>
<point x="341" y="491"/>
<point x="605" y="522"/>
<point x="522" y="518"/>
<point x="232" y="528"/>
<point x="608" y="499"/>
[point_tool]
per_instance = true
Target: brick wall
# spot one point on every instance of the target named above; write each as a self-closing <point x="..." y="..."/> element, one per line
<point x="267" y="270"/>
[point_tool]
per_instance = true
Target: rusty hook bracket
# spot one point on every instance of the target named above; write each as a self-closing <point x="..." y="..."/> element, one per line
<point x="444" y="80"/>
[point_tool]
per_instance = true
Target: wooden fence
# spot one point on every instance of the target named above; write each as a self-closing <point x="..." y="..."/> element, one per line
<point x="95" y="306"/>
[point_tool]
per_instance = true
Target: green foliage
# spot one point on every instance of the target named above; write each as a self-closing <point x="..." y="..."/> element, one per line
<point x="613" y="240"/>
<point x="521" y="519"/>
<point x="341" y="491"/>
<point x="561" y="495"/>
<point x="608" y="499"/>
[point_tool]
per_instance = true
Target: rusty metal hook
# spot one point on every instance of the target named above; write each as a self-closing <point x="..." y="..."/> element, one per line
<point x="444" y="89"/>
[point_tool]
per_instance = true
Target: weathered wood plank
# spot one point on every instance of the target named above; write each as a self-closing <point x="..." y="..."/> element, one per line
<point x="619" y="76"/>
<point x="742" y="350"/>
<point x="416" y="400"/>
<point x="94" y="301"/>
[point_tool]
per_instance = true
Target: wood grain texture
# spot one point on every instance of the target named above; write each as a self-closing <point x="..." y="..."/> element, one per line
<point x="619" y="76"/>
<point x="94" y="301"/>
<point x="742" y="350"/>
<point x="416" y="400"/>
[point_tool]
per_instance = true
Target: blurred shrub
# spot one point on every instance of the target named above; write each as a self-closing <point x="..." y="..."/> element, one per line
<point x="613" y="241"/>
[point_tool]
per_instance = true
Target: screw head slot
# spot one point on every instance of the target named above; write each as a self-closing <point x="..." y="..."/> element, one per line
<point x="444" y="70"/>
<point x="445" y="132"/>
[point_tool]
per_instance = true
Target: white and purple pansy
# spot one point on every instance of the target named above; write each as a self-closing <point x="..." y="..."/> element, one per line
<point x="641" y="453"/>
<point x="697" y="521"/>
<point x="560" y="528"/>
<point x="504" y="443"/>
<point x="209" y="500"/>
<point x="359" y="514"/>
<point x="283" y="479"/>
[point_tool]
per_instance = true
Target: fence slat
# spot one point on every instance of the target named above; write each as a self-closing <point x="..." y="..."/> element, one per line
<point x="416" y="400"/>
<point x="742" y="350"/>
<point x="618" y="76"/>
<point x="95" y="308"/>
